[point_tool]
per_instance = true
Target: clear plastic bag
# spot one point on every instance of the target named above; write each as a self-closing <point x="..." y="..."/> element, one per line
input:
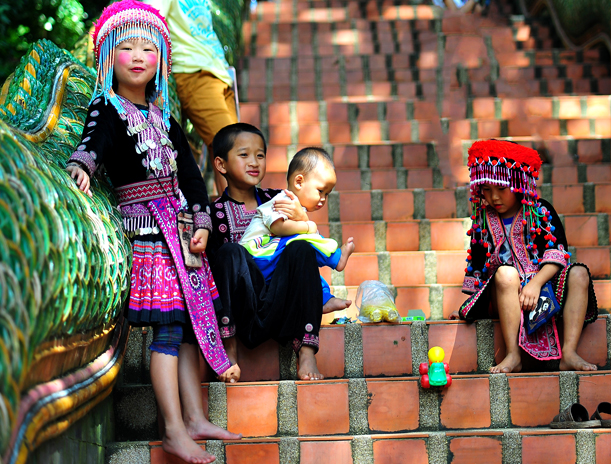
<point x="376" y="303"/>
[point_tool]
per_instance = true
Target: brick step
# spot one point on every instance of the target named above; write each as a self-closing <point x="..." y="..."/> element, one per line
<point x="593" y="173"/>
<point x="416" y="131"/>
<point x="389" y="67"/>
<point x="306" y="113"/>
<point x="402" y="178"/>
<point x="475" y="446"/>
<point x="439" y="266"/>
<point x="398" y="67"/>
<point x="322" y="12"/>
<point x="546" y="87"/>
<point x="430" y="130"/>
<point x="390" y="405"/>
<point x="338" y="89"/>
<point x="586" y="205"/>
<point x="373" y="156"/>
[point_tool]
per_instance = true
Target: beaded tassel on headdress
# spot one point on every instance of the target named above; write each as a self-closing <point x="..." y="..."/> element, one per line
<point x="510" y="165"/>
<point x="130" y="19"/>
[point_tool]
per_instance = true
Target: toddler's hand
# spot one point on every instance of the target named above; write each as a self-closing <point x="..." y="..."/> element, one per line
<point x="454" y="316"/>
<point x="529" y="296"/>
<point x="199" y="241"/>
<point x="292" y="209"/>
<point x="81" y="178"/>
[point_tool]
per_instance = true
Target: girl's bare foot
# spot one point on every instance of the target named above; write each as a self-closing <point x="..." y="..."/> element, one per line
<point x="335" y="304"/>
<point x="347" y="249"/>
<point x="204" y="430"/>
<point x="308" y="369"/>
<point x="511" y="363"/>
<point x="231" y="375"/>
<point x="571" y="361"/>
<point x="180" y="444"/>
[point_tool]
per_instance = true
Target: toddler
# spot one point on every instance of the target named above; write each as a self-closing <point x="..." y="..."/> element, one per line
<point x="311" y="177"/>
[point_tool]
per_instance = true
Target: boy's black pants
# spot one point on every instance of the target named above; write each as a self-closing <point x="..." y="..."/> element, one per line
<point x="288" y="310"/>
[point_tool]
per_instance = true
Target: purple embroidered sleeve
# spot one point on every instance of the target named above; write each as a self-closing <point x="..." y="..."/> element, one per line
<point x="555" y="257"/>
<point x="201" y="220"/>
<point x="84" y="159"/>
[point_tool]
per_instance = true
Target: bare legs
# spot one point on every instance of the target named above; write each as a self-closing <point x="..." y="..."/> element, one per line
<point x="176" y="440"/>
<point x="505" y="291"/>
<point x="505" y="295"/>
<point x="175" y="379"/>
<point x="573" y="315"/>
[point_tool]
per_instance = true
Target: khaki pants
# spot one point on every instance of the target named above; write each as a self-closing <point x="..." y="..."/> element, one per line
<point x="209" y="104"/>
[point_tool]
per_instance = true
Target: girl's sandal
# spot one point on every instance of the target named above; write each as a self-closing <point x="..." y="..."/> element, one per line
<point x="574" y="417"/>
<point x="605" y="408"/>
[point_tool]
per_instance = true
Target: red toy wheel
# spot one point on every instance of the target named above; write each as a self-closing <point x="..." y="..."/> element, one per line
<point x="447" y="367"/>
<point x="424" y="368"/>
<point x="424" y="381"/>
<point x="449" y="378"/>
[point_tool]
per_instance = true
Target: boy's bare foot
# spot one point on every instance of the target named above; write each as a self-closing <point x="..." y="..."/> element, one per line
<point x="204" y="430"/>
<point x="182" y="445"/>
<point x="347" y="249"/>
<point x="335" y="304"/>
<point x="308" y="369"/>
<point x="231" y="375"/>
<point x="571" y="361"/>
<point x="511" y="363"/>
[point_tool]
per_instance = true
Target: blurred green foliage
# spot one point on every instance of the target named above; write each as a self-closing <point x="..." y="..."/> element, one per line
<point x="26" y="21"/>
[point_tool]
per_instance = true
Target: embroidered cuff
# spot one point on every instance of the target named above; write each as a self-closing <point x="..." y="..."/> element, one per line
<point x="555" y="257"/>
<point x="84" y="159"/>
<point x="201" y="220"/>
<point x="227" y="331"/>
<point x="308" y="340"/>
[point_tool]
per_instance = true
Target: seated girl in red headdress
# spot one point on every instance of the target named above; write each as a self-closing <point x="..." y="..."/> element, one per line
<point x="517" y="246"/>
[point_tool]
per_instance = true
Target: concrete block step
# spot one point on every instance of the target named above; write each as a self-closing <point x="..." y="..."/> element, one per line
<point x="330" y="408"/>
<point x="476" y="446"/>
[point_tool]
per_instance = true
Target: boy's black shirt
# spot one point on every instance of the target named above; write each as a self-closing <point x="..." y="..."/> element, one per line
<point x="230" y="220"/>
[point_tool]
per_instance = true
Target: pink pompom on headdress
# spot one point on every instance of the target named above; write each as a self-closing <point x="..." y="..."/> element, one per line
<point x="125" y="20"/>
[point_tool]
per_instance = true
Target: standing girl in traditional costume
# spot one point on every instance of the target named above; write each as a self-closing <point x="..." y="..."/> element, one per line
<point x="148" y="160"/>
<point x="518" y="245"/>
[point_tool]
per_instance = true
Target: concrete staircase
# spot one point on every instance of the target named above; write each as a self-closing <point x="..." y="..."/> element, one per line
<point x="397" y="93"/>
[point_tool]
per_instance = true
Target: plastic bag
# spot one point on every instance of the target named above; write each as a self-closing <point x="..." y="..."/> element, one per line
<point x="376" y="303"/>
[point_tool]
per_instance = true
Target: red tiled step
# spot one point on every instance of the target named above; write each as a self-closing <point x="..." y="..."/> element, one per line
<point x="537" y="445"/>
<point x="323" y="406"/>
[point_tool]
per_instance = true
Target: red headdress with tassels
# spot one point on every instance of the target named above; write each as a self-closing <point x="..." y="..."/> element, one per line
<point x="506" y="164"/>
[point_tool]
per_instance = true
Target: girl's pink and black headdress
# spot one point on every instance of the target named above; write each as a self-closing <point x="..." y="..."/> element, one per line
<point x="125" y="20"/>
<point x="507" y="164"/>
